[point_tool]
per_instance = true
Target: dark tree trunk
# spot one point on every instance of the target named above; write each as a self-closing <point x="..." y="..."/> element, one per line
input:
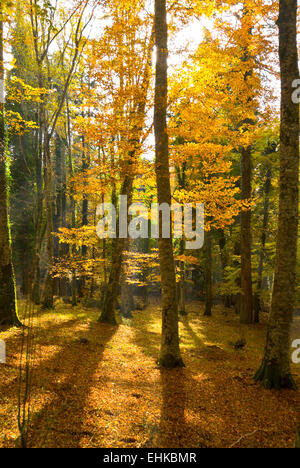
<point x="127" y="299"/>
<point x="275" y="368"/>
<point x="208" y="274"/>
<point x="170" y="352"/>
<point x="59" y="219"/>
<point x="181" y="180"/>
<point x="8" y="303"/>
<point x="227" y="299"/>
<point x="297" y="442"/>
<point x="182" y="292"/>
<point x="118" y="245"/>
<point x="237" y="252"/>
<point x="262" y="255"/>
<point x="246" y="313"/>
<point x="118" y="248"/>
<point x="38" y="224"/>
<point x="85" y="210"/>
<point x="48" y="300"/>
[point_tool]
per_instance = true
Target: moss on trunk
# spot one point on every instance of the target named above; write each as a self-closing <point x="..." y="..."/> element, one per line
<point x="275" y="369"/>
<point x="8" y="303"/>
<point x="170" y="352"/>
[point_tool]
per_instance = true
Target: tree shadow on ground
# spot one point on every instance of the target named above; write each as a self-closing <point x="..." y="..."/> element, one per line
<point x="172" y="429"/>
<point x="177" y="428"/>
<point x="63" y="389"/>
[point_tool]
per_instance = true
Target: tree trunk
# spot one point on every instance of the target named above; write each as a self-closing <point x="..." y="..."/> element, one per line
<point x="257" y="298"/>
<point x="170" y="352"/>
<point x="182" y="307"/>
<point x="38" y="221"/>
<point x="275" y="368"/>
<point x="48" y="301"/>
<point x="85" y="212"/>
<point x="227" y="299"/>
<point x="58" y="217"/>
<point x="8" y="304"/>
<point x="237" y="253"/>
<point x="297" y="442"/>
<point x="246" y="313"/>
<point x="208" y="274"/>
<point x="118" y="248"/>
<point x="127" y="299"/>
<point x="118" y="244"/>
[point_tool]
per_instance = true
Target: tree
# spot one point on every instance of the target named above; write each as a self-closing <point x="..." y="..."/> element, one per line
<point x="275" y="368"/>
<point x="208" y="274"/>
<point x="246" y="312"/>
<point x="46" y="27"/>
<point x="266" y="173"/>
<point x="170" y="352"/>
<point x="297" y="442"/>
<point x="8" y="302"/>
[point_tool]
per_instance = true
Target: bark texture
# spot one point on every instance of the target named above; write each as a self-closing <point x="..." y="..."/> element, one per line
<point x="246" y="313"/>
<point x="48" y="299"/>
<point x="119" y="244"/>
<point x="170" y="353"/>
<point x="297" y="442"/>
<point x="275" y="368"/>
<point x="8" y="304"/>
<point x="182" y="292"/>
<point x="208" y="274"/>
<point x="258" y="301"/>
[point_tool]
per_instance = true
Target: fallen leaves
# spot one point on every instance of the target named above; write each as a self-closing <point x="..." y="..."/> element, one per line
<point x="99" y="386"/>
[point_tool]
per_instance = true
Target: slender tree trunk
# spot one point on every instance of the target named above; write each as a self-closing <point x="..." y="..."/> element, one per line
<point x="246" y="313"/>
<point x="170" y="352"/>
<point x="111" y="294"/>
<point x="181" y="180"/>
<point x="275" y="368"/>
<point x="182" y="295"/>
<point x="208" y="274"/>
<point x="127" y="300"/>
<point x="48" y="301"/>
<point x="72" y="200"/>
<point x="57" y="216"/>
<point x="237" y="253"/>
<point x="60" y="249"/>
<point x="38" y="225"/>
<point x="258" y="295"/>
<point x="227" y="299"/>
<point x="85" y="210"/>
<point x="297" y="442"/>
<point x="8" y="302"/>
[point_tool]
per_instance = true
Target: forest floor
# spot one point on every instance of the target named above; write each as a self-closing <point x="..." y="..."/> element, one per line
<point x="99" y="386"/>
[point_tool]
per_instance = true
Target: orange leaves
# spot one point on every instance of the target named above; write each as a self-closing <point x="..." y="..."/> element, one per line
<point x="115" y="395"/>
<point x="85" y="235"/>
<point x="17" y="125"/>
<point x="19" y="91"/>
<point x="217" y="102"/>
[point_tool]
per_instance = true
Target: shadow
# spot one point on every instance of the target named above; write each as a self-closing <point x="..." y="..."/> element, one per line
<point x="147" y="340"/>
<point x="173" y="427"/>
<point x="177" y="390"/>
<point x="65" y="380"/>
<point x="178" y="427"/>
<point x="197" y="341"/>
<point x="42" y="337"/>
